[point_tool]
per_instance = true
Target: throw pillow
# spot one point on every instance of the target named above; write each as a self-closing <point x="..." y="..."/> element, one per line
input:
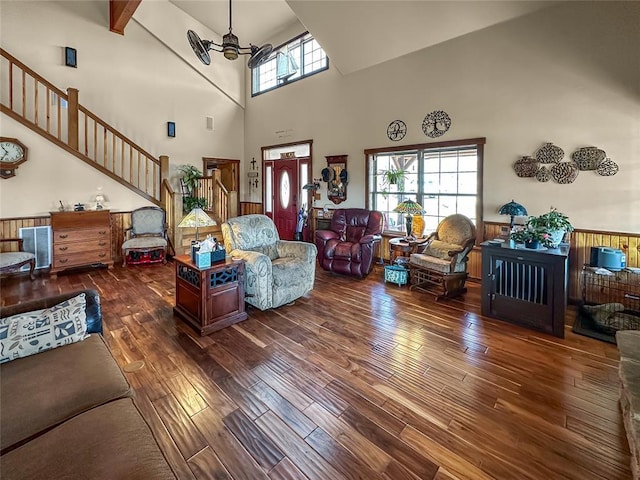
<point x="33" y="332"/>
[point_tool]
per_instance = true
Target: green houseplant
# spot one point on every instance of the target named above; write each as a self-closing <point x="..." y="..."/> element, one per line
<point x="531" y="237"/>
<point x="189" y="179"/>
<point x="393" y="176"/>
<point x="555" y="223"/>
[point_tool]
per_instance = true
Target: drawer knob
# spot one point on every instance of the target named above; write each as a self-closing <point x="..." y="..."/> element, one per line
<point x="102" y="232"/>
<point x="63" y="236"/>
<point x="63" y="248"/>
<point x="64" y="260"/>
<point x="102" y="255"/>
<point x="102" y="244"/>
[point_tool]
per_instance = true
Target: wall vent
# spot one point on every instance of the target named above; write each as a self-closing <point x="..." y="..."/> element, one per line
<point x="37" y="240"/>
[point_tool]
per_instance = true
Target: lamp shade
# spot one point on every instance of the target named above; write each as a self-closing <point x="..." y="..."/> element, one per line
<point x="410" y="207"/>
<point x="197" y="218"/>
<point x="512" y="208"/>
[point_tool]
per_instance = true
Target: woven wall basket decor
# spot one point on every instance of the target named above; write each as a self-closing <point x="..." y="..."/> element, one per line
<point x="549" y="153"/>
<point x="588" y="158"/>
<point x="526" y="167"/>
<point x="565" y="172"/>
<point x="607" y="168"/>
<point x="543" y="174"/>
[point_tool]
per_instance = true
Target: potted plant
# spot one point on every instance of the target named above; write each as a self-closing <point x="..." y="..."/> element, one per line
<point x="393" y="176"/>
<point x="555" y="223"/>
<point x="531" y="237"/>
<point x="189" y="179"/>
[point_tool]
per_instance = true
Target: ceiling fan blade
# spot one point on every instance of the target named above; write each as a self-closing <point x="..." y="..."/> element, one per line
<point x="260" y="55"/>
<point x="199" y="48"/>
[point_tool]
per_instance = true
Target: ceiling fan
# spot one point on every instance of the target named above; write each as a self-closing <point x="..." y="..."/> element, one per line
<point x="230" y="48"/>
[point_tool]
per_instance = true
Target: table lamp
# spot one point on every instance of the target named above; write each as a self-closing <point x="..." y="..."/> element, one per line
<point x="197" y="218"/>
<point x="409" y="208"/>
<point x="512" y="208"/>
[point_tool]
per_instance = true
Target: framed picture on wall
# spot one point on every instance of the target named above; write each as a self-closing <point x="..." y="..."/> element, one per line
<point x="171" y="129"/>
<point x="70" y="57"/>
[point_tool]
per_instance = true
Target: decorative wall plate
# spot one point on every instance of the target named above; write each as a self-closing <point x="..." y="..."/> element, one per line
<point x="396" y="130"/>
<point x="588" y="158"/>
<point x="565" y="172"/>
<point x="526" y="167"/>
<point x="543" y="174"/>
<point x="607" y="168"/>
<point x="549" y="153"/>
<point x="436" y="124"/>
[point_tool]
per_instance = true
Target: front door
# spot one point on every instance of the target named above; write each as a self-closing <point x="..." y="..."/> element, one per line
<point x="285" y="205"/>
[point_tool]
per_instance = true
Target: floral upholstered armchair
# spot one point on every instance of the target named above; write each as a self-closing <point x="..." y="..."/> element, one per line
<point x="276" y="271"/>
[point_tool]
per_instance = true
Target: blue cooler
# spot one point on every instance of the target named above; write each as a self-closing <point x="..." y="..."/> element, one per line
<point x="606" y="257"/>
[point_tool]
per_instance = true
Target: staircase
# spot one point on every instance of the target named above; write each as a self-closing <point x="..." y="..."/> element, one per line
<point x="59" y="117"/>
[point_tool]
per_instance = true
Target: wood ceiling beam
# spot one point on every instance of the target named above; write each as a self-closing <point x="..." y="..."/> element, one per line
<point x="120" y="12"/>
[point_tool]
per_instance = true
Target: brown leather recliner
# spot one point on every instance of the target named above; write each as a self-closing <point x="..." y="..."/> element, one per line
<point x="349" y="247"/>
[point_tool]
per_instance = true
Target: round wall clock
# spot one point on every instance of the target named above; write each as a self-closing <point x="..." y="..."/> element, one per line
<point x="396" y="130"/>
<point x="12" y="153"/>
<point x="436" y="124"/>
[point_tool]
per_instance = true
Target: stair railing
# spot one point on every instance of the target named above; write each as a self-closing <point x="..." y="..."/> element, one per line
<point x="217" y="196"/>
<point x="38" y="104"/>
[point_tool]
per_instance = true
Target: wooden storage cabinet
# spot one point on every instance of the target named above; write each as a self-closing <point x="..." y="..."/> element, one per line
<point x="525" y="287"/>
<point x="80" y="239"/>
<point x="210" y="298"/>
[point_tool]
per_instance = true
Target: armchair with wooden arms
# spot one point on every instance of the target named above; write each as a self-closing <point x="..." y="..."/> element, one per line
<point x="14" y="261"/>
<point x="145" y="241"/>
<point x="440" y="266"/>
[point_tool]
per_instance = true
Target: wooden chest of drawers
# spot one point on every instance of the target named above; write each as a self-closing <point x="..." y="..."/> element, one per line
<point x="80" y="239"/>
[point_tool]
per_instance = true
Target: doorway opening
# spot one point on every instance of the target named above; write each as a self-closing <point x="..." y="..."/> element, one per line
<point x="286" y="169"/>
<point x="225" y="173"/>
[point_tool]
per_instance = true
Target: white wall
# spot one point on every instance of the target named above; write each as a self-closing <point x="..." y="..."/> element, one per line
<point x="568" y="75"/>
<point x="133" y="82"/>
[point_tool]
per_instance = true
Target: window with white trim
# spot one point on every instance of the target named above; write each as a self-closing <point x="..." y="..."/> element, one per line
<point x="444" y="177"/>
<point x="299" y="58"/>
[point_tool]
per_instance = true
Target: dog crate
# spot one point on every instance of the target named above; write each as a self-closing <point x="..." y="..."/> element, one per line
<point x="610" y="302"/>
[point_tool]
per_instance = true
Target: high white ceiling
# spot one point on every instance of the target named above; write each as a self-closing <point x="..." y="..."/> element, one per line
<point x="357" y="34"/>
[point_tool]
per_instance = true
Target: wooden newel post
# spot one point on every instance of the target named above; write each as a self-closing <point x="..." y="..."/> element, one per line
<point x="72" y="118"/>
<point x="164" y="175"/>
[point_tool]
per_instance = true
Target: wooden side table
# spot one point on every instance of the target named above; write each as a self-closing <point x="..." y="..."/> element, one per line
<point x="210" y="298"/>
<point x="399" y="247"/>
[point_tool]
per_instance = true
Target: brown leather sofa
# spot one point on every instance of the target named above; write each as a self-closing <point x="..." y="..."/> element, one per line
<point x="69" y="412"/>
<point x="349" y="246"/>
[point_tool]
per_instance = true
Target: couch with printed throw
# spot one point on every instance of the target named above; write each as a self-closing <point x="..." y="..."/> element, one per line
<point x="349" y="246"/>
<point x="66" y="410"/>
<point x="277" y="271"/>
<point x="440" y="266"/>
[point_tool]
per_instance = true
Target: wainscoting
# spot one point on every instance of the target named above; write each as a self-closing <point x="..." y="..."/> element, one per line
<point x="9" y="228"/>
<point x="581" y="242"/>
<point x="247" y="208"/>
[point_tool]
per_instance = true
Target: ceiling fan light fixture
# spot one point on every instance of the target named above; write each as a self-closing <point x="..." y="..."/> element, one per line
<point x="230" y="47"/>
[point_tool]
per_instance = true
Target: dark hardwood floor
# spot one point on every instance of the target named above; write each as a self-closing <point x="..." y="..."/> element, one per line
<point x="358" y="380"/>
